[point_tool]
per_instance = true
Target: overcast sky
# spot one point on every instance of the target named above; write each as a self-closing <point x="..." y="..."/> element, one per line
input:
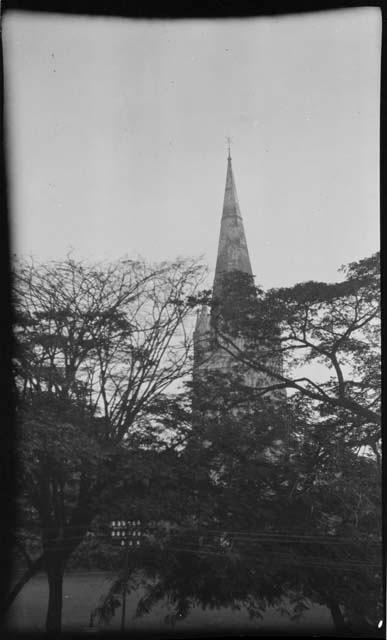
<point x="116" y="137"/>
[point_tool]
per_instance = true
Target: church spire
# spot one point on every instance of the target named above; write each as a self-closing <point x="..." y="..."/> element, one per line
<point x="233" y="254"/>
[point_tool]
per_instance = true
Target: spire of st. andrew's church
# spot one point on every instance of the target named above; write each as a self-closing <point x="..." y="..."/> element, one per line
<point x="233" y="254"/>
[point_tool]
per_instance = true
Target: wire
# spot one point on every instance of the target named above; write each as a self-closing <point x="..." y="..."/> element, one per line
<point x="247" y="538"/>
<point x="239" y="533"/>
<point x="208" y="550"/>
<point x="305" y="561"/>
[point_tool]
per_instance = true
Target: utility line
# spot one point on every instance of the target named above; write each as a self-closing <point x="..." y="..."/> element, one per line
<point x="239" y="533"/>
<point x="208" y="550"/>
<point x="247" y="539"/>
<point x="238" y="539"/>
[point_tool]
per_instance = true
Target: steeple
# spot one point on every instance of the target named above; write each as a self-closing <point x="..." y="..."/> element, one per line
<point x="213" y="358"/>
<point x="233" y="254"/>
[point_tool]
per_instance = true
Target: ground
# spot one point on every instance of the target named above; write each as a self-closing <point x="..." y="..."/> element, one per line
<point x="83" y="590"/>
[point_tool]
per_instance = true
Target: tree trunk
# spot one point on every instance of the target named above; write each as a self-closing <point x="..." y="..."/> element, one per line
<point x="337" y="616"/>
<point x="55" y="569"/>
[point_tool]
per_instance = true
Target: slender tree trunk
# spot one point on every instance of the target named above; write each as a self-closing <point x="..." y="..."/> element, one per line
<point x="337" y="616"/>
<point x="55" y="570"/>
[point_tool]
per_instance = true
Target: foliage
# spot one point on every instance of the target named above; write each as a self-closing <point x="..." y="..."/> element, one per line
<point x="96" y="345"/>
<point x="112" y="336"/>
<point x="335" y="326"/>
<point x="256" y="502"/>
<point x="282" y="502"/>
<point x="253" y="525"/>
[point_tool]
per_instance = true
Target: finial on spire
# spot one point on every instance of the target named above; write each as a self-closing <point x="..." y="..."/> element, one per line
<point x="229" y="140"/>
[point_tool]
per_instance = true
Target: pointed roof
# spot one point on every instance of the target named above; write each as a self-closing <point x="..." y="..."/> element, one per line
<point x="233" y="254"/>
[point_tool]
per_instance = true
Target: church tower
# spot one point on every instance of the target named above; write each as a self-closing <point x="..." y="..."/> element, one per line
<point x="233" y="260"/>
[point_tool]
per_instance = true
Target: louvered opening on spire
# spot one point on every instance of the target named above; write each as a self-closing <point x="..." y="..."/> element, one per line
<point x="233" y="254"/>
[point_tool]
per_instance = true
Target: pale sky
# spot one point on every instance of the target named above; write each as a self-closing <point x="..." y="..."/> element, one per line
<point x="116" y="137"/>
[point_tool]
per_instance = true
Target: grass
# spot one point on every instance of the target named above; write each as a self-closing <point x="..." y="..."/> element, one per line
<point x="82" y="592"/>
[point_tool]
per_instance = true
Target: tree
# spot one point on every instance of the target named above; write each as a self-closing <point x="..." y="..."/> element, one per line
<point x="207" y="490"/>
<point x="306" y="517"/>
<point x="336" y="326"/>
<point x="336" y="416"/>
<point x="254" y="526"/>
<point x="96" y="345"/>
